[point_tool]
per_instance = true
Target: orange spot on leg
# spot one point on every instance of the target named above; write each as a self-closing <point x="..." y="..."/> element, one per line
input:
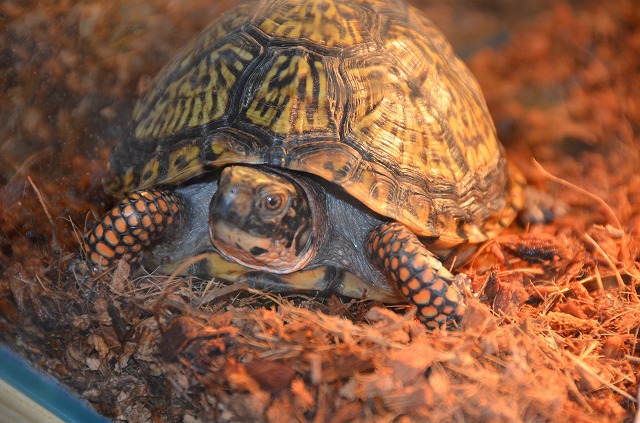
<point x="164" y="208"/>
<point x="111" y="238"/>
<point x="429" y="312"/>
<point x="140" y="206"/>
<point x="104" y="250"/>
<point x="128" y="210"/>
<point x="146" y="221"/>
<point x="423" y="297"/>
<point x="404" y="274"/>
<point x="120" y="225"/>
<point x="414" y="284"/>
<point x="96" y="259"/>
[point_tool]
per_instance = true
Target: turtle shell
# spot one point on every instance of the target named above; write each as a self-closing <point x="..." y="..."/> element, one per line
<point x="366" y="94"/>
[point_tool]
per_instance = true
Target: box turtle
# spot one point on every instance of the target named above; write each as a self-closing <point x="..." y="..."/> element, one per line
<point x="329" y="145"/>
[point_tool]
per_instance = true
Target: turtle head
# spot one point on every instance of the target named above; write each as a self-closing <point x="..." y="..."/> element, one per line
<point x="262" y="219"/>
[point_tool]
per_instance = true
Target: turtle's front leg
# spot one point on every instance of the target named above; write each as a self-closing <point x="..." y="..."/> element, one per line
<point x="420" y="276"/>
<point x="134" y="224"/>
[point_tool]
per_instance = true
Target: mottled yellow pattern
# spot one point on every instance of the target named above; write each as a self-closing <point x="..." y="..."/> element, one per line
<point x="292" y="96"/>
<point x="198" y="95"/>
<point x="184" y="163"/>
<point x="366" y="94"/>
<point x="150" y="172"/>
<point x="323" y="22"/>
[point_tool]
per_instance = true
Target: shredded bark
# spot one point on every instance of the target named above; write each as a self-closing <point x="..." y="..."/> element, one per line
<point x="552" y="327"/>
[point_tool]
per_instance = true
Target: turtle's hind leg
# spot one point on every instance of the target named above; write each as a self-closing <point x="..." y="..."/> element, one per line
<point x="131" y="226"/>
<point x="420" y="276"/>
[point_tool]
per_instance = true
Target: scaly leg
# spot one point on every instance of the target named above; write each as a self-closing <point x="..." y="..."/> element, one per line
<point x="131" y="226"/>
<point x="420" y="276"/>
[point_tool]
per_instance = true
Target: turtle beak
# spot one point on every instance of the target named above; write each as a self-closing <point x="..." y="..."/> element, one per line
<point x="231" y="202"/>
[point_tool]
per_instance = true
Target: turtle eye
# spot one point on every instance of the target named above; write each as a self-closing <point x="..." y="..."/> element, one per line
<point x="273" y="202"/>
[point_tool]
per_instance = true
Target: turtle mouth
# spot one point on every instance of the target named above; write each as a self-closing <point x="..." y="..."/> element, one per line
<point x="259" y="253"/>
<point x="262" y="220"/>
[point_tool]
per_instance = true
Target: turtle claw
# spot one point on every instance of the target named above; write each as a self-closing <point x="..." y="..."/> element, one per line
<point x="462" y="282"/>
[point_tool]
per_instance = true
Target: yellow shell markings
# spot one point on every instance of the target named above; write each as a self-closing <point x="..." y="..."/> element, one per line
<point x="184" y="163"/>
<point x="323" y="22"/>
<point x="293" y="96"/>
<point x="122" y="184"/>
<point x="190" y="53"/>
<point x="471" y="121"/>
<point x="429" y="124"/>
<point x="150" y="173"/>
<point x="461" y="138"/>
<point x="198" y="96"/>
<point x="376" y="103"/>
<point x="390" y="130"/>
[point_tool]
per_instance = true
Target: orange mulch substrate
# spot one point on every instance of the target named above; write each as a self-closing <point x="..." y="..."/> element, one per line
<point x="552" y="334"/>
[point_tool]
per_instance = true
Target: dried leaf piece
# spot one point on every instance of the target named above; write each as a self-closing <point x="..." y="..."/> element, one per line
<point x="347" y="412"/>
<point x="271" y="375"/>
<point x="412" y="399"/>
<point x="301" y="395"/>
<point x="574" y="308"/>
<point x="410" y="363"/>
<point x="613" y="347"/>
<point x="478" y="316"/>
<point x="280" y="410"/>
<point x="534" y="248"/>
<point x="239" y="380"/>
<point x="505" y="291"/>
<point x="120" y="277"/>
<point x="180" y="330"/>
<point x="99" y="344"/>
